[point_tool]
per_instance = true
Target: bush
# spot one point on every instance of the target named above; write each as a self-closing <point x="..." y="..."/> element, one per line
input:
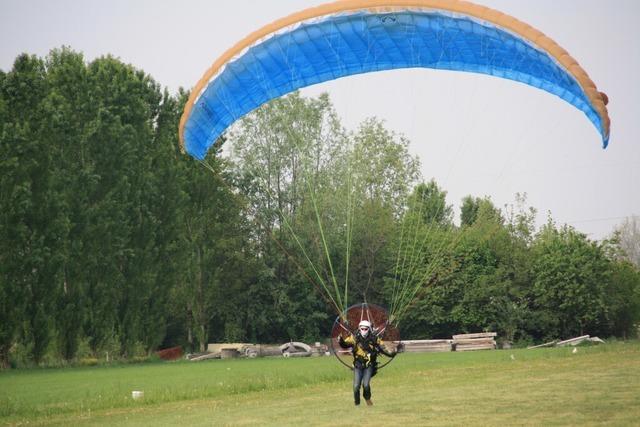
<point x="88" y="361"/>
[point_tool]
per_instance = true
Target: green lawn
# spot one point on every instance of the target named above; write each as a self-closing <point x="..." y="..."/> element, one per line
<point x="596" y="385"/>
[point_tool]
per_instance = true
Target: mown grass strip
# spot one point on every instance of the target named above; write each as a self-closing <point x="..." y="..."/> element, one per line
<point x="546" y="386"/>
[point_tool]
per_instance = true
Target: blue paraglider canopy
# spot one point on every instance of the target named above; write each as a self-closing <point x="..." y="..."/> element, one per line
<point x="353" y="37"/>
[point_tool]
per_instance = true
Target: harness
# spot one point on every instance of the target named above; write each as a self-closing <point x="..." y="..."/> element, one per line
<point x="365" y="351"/>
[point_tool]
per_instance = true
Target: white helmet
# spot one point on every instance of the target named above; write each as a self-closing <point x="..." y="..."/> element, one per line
<point x="364" y="327"/>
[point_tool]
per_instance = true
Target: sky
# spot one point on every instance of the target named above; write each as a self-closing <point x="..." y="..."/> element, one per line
<point x="474" y="134"/>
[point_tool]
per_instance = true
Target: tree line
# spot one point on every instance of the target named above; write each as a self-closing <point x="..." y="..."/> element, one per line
<point x="112" y="241"/>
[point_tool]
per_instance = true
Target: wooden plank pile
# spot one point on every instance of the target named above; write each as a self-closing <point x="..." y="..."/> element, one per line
<point x="426" y="346"/>
<point x="461" y="342"/>
<point x="477" y="341"/>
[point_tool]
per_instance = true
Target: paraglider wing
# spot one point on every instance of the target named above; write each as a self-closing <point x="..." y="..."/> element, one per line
<point x="359" y="36"/>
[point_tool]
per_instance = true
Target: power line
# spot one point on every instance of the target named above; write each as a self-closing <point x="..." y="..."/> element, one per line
<point x="599" y="219"/>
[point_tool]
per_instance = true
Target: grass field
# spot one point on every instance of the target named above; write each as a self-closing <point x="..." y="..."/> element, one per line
<point x="595" y="385"/>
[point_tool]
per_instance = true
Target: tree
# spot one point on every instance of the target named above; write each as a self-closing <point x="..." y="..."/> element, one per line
<point x="325" y="203"/>
<point x="472" y="207"/>
<point x="14" y="274"/>
<point x="521" y="220"/>
<point x="66" y="109"/>
<point x="623" y="299"/>
<point x="283" y="155"/>
<point x="217" y="245"/>
<point x="37" y="229"/>
<point x="382" y="173"/>
<point x="570" y="276"/>
<point x="629" y="236"/>
<point x="429" y="203"/>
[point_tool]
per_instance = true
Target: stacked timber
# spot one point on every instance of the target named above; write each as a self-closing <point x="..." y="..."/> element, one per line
<point x="426" y="346"/>
<point x="477" y="341"/>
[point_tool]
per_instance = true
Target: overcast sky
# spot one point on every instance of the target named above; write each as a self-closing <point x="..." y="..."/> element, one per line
<point x="474" y="134"/>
